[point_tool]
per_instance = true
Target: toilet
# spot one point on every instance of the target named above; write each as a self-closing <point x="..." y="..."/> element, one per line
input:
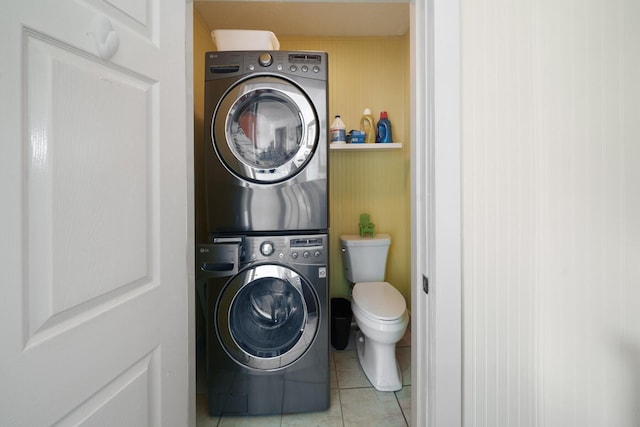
<point x="380" y="311"/>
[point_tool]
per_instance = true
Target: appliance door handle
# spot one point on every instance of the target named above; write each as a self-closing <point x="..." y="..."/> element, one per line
<point x="217" y="266"/>
<point x="217" y="260"/>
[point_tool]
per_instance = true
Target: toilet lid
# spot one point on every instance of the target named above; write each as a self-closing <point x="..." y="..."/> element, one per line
<point x="379" y="299"/>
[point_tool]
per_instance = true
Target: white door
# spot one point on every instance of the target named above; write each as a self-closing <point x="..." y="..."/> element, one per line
<point x="95" y="224"/>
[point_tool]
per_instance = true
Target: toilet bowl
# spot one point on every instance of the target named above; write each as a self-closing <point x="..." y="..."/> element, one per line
<point x="381" y="315"/>
<point x="379" y="310"/>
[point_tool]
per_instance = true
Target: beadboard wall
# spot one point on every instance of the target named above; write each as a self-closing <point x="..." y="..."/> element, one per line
<point x="368" y="72"/>
<point x="551" y="213"/>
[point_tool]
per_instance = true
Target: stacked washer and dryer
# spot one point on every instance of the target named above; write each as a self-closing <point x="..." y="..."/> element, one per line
<point x="265" y="265"/>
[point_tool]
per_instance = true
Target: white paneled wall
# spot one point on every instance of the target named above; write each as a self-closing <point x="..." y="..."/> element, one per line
<point x="551" y="213"/>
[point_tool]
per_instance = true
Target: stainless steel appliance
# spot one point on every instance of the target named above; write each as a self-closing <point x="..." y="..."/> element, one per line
<point x="265" y="154"/>
<point x="267" y="323"/>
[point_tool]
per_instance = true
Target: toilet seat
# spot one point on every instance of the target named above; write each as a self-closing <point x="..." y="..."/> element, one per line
<point x="379" y="301"/>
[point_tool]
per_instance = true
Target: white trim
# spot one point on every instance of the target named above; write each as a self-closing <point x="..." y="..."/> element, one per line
<point x="419" y="266"/>
<point x="190" y="256"/>
<point x="436" y="214"/>
<point x="446" y="351"/>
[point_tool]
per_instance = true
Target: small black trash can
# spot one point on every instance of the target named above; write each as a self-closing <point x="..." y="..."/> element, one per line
<point x="340" y="322"/>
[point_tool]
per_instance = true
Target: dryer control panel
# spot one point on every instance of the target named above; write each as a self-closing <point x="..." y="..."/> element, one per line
<point x="312" y="65"/>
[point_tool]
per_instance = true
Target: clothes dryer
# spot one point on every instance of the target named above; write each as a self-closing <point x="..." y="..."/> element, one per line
<point x="265" y="155"/>
<point x="267" y="323"/>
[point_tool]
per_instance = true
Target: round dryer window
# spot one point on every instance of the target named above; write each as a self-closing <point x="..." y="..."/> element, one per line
<point x="267" y="317"/>
<point x="264" y="129"/>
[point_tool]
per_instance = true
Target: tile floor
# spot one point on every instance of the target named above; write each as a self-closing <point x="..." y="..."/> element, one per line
<point x="354" y="402"/>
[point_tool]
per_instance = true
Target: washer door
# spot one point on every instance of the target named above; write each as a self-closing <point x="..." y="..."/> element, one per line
<point x="264" y="129"/>
<point x="267" y="317"/>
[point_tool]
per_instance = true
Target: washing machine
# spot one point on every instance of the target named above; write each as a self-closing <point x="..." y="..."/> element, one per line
<point x="265" y="154"/>
<point x="266" y="323"/>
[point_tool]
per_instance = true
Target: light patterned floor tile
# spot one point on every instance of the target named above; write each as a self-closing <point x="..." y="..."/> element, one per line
<point x="251" y="421"/>
<point x="329" y="418"/>
<point x="348" y="370"/>
<point x="333" y="379"/>
<point x="369" y="407"/>
<point x="404" y="399"/>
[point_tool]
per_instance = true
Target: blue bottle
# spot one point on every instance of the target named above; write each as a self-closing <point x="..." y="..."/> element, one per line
<point x="384" y="129"/>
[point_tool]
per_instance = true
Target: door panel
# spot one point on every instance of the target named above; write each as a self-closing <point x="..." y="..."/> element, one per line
<point x="96" y="223"/>
<point x="85" y="253"/>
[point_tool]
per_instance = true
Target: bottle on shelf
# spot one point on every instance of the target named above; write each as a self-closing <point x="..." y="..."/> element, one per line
<point x="367" y="126"/>
<point x="384" y="128"/>
<point x="338" y="131"/>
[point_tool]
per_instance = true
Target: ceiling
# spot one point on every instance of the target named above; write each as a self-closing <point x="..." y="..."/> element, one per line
<point x="297" y="18"/>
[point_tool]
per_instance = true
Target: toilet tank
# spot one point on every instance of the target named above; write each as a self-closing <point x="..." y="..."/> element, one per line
<point x="365" y="258"/>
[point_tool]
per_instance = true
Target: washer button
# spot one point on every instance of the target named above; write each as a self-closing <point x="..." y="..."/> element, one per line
<point x="304" y="68"/>
<point x="306" y="254"/>
<point x="316" y="254"/>
<point x="267" y="248"/>
<point x="294" y="255"/>
<point x="293" y="68"/>
<point x="316" y="69"/>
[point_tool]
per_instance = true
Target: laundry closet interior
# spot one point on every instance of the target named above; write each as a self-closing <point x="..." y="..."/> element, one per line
<point x="367" y="66"/>
<point x="368" y="46"/>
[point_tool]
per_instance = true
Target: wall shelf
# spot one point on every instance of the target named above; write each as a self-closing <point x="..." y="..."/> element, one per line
<point x="365" y="146"/>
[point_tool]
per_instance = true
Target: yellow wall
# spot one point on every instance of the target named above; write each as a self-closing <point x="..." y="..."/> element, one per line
<point x="364" y="72"/>
<point x="368" y="72"/>
<point x="201" y="43"/>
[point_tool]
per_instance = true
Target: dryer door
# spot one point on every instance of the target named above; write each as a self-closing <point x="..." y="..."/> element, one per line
<point x="264" y="129"/>
<point x="267" y="316"/>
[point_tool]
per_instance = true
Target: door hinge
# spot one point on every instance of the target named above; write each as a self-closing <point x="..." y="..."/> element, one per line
<point x="425" y="284"/>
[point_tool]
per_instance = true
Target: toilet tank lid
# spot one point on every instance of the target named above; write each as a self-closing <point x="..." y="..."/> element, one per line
<point x="380" y="299"/>
<point x="379" y="239"/>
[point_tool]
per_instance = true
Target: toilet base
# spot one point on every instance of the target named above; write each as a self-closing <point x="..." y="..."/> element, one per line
<point x="379" y="363"/>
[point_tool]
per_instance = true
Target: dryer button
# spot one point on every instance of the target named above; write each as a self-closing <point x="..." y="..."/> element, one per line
<point x="294" y="255"/>
<point x="293" y="68"/>
<point x="265" y="59"/>
<point x="306" y="254"/>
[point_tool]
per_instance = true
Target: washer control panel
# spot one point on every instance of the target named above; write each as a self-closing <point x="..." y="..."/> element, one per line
<point x="299" y="249"/>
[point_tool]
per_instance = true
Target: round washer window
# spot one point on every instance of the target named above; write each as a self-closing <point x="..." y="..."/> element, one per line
<point x="267" y="317"/>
